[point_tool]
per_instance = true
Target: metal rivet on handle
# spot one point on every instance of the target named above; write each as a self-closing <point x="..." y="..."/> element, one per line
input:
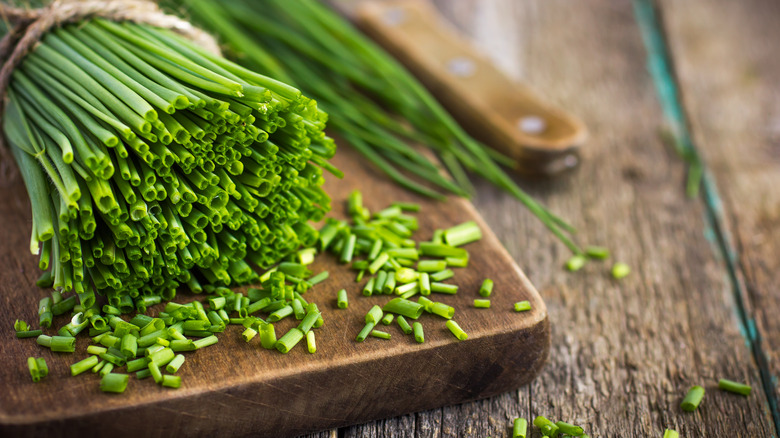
<point x="463" y="67"/>
<point x="394" y="17"/>
<point x="532" y="125"/>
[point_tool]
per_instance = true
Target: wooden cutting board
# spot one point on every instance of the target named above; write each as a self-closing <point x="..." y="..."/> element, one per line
<point x="236" y="388"/>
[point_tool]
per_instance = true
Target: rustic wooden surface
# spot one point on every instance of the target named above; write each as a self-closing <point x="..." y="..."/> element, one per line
<point x="731" y="86"/>
<point x="237" y="388"/>
<point x="624" y="353"/>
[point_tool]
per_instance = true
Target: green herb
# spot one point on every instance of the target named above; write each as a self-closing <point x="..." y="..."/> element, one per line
<point x="692" y="399"/>
<point x="519" y="428"/>
<point x="576" y="262"/>
<point x="597" y="252"/>
<point x="116" y="383"/>
<point x="311" y="343"/>
<point x="669" y="433"/>
<point x="380" y="334"/>
<point x="365" y="331"/>
<point x="569" y="429"/>
<point x="735" y="387"/>
<point x="342" y="301"/>
<point x="522" y="306"/>
<point x="456" y="330"/>
<point x="419" y="336"/>
<point x="547" y="427"/>
<point x="620" y="270"/>
<point x="83" y="365"/>
<point x="482" y="304"/>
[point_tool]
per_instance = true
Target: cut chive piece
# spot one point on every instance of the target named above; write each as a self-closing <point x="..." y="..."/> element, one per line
<point x="444" y="288"/>
<point x="522" y="306"/>
<point x="319" y="278"/>
<point x="425" y="284"/>
<point x="94" y="349"/>
<point x="116" y="383"/>
<point x="519" y="428"/>
<point x="374" y="315"/>
<point x="174" y="365"/>
<point x="576" y="262"/>
<point x="735" y="387"/>
<point x="267" y="336"/>
<point x="387" y="319"/>
<point x="456" y="330"/>
<point x="365" y="332"/>
<point x="83" y="365"/>
<point x="620" y="270"/>
<point x="169" y="381"/>
<point x="482" y="304"/>
<point x="431" y="265"/>
<point x="289" y="340"/>
<point x="692" y="399"/>
<point x="462" y="234"/>
<point x="156" y="373"/>
<point x="547" y="427"/>
<point x="442" y="310"/>
<point x="405" y="327"/>
<point x="368" y="289"/>
<point x="248" y="334"/>
<point x="442" y="275"/>
<point x="569" y="429"/>
<point x="487" y="288"/>
<point x="669" y="433"/>
<point x="32" y="365"/>
<point x="597" y="252"/>
<point x="342" y="301"/>
<point x="311" y="342"/>
<point x="401" y="306"/>
<point x="419" y="336"/>
<point x="380" y="334"/>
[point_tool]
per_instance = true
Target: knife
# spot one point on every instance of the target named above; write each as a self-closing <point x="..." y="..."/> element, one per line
<point x="509" y="116"/>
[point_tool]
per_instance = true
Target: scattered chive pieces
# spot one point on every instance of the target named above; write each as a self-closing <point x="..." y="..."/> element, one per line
<point x="462" y="234"/>
<point x="597" y="252"/>
<point x="519" y="428"/>
<point x="267" y="336"/>
<point x="388" y="319"/>
<point x="456" y="330"/>
<point x="342" y="301"/>
<point x="547" y="427"/>
<point x="569" y="429"/>
<point x="289" y="340"/>
<point x="83" y="365"/>
<point x="116" y="383"/>
<point x="442" y="275"/>
<point x="482" y="304"/>
<point x="405" y="327"/>
<point x="374" y="315"/>
<point x="487" y="288"/>
<point x="319" y="278"/>
<point x="431" y="265"/>
<point x="419" y="336"/>
<point x="169" y="381"/>
<point x="735" y="387"/>
<point x="692" y="399"/>
<point x="444" y="288"/>
<point x="442" y="310"/>
<point x="669" y="433"/>
<point x="407" y="308"/>
<point x="36" y="373"/>
<point x="380" y="334"/>
<point x="522" y="306"/>
<point x="620" y="270"/>
<point x="365" y="331"/>
<point x="576" y="262"/>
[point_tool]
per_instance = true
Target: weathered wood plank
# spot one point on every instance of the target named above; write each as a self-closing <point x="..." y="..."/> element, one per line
<point x="624" y="353"/>
<point x="725" y="54"/>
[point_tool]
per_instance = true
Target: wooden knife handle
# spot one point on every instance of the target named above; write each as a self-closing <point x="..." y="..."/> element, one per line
<point x="506" y="115"/>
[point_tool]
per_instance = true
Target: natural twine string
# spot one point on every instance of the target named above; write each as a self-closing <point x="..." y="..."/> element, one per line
<point x="29" y="26"/>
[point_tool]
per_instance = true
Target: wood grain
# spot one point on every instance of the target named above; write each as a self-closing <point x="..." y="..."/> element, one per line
<point x="725" y="54"/>
<point x="237" y="388"/>
<point x="624" y="353"/>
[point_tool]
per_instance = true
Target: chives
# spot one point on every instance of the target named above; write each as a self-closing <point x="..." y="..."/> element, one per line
<point x="735" y="387"/>
<point x="482" y="304"/>
<point x="267" y="336"/>
<point x="342" y="301"/>
<point x="28" y="334"/>
<point x="322" y="276"/>
<point x="419" y="336"/>
<point x="106" y="368"/>
<point x="405" y="327"/>
<point x="620" y="270"/>
<point x="597" y="252"/>
<point x="569" y="429"/>
<point x="35" y="371"/>
<point x="365" y="331"/>
<point x="431" y="265"/>
<point x="116" y="383"/>
<point x="368" y="289"/>
<point x="442" y="275"/>
<point x="546" y="426"/>
<point x="289" y="340"/>
<point x="387" y="319"/>
<point x="404" y="307"/>
<point x="83" y="365"/>
<point x="380" y="334"/>
<point x="669" y="433"/>
<point x="575" y="262"/>
<point x="462" y="234"/>
<point x="487" y="288"/>
<point x="456" y="330"/>
<point x="425" y="284"/>
<point x="137" y="364"/>
<point x="156" y="373"/>
<point x="519" y="428"/>
<point x="205" y="342"/>
<point x="692" y="399"/>
<point x="94" y="349"/>
<point x="374" y="315"/>
<point x="174" y="365"/>
<point x="248" y="334"/>
<point x="311" y="343"/>
<point x="444" y="288"/>
<point x="522" y="306"/>
<point x="442" y="310"/>
<point x="169" y="381"/>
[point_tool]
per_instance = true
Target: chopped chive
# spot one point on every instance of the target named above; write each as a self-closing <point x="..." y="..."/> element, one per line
<point x="735" y="387"/>
<point x="388" y="319"/>
<point x="620" y="270"/>
<point x="431" y="265"/>
<point x="407" y="288"/>
<point x="569" y="429"/>
<point x="405" y="275"/>
<point x="522" y="306"/>
<point x="310" y="320"/>
<point x="547" y="427"/>
<point x="32" y="365"/>
<point x="457" y="262"/>
<point x="442" y="310"/>
<point x="380" y="261"/>
<point x="456" y="330"/>
<point x="442" y="275"/>
<point x="319" y="278"/>
<point x="576" y="262"/>
<point x="487" y="288"/>
<point x="389" y="285"/>
<point x="407" y="206"/>
<point x="205" y="342"/>
<point x="156" y="373"/>
<point x="83" y="365"/>
<point x="368" y="289"/>
<point x="365" y="331"/>
<point x="380" y="334"/>
<point x="405" y="327"/>
<point x="404" y="253"/>
<point x="137" y="364"/>
<point x="426" y="303"/>
<point x="289" y="340"/>
<point x="482" y="304"/>
<point x="669" y="433"/>
<point x="401" y="306"/>
<point x="462" y="234"/>
<point x="116" y="383"/>
<point x="425" y="284"/>
<point x="28" y="334"/>
<point x="692" y="399"/>
<point x="267" y="336"/>
<point x="374" y="315"/>
<point x="597" y="252"/>
<point x="311" y="343"/>
<point x="99" y="366"/>
<point x="419" y="336"/>
<point x="248" y="334"/>
<point x="169" y="381"/>
<point x="379" y="283"/>
<point x="444" y="288"/>
<point x="342" y="301"/>
<point x="519" y="428"/>
<point x="174" y="365"/>
<point x="107" y="368"/>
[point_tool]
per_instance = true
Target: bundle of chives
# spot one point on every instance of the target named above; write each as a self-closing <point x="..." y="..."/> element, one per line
<point x="151" y="162"/>
<point x="363" y="89"/>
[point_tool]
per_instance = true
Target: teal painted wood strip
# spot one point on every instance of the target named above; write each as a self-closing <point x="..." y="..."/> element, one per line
<point x="662" y="71"/>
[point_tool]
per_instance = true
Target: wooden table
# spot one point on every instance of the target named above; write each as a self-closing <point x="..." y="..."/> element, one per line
<point x="702" y="300"/>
